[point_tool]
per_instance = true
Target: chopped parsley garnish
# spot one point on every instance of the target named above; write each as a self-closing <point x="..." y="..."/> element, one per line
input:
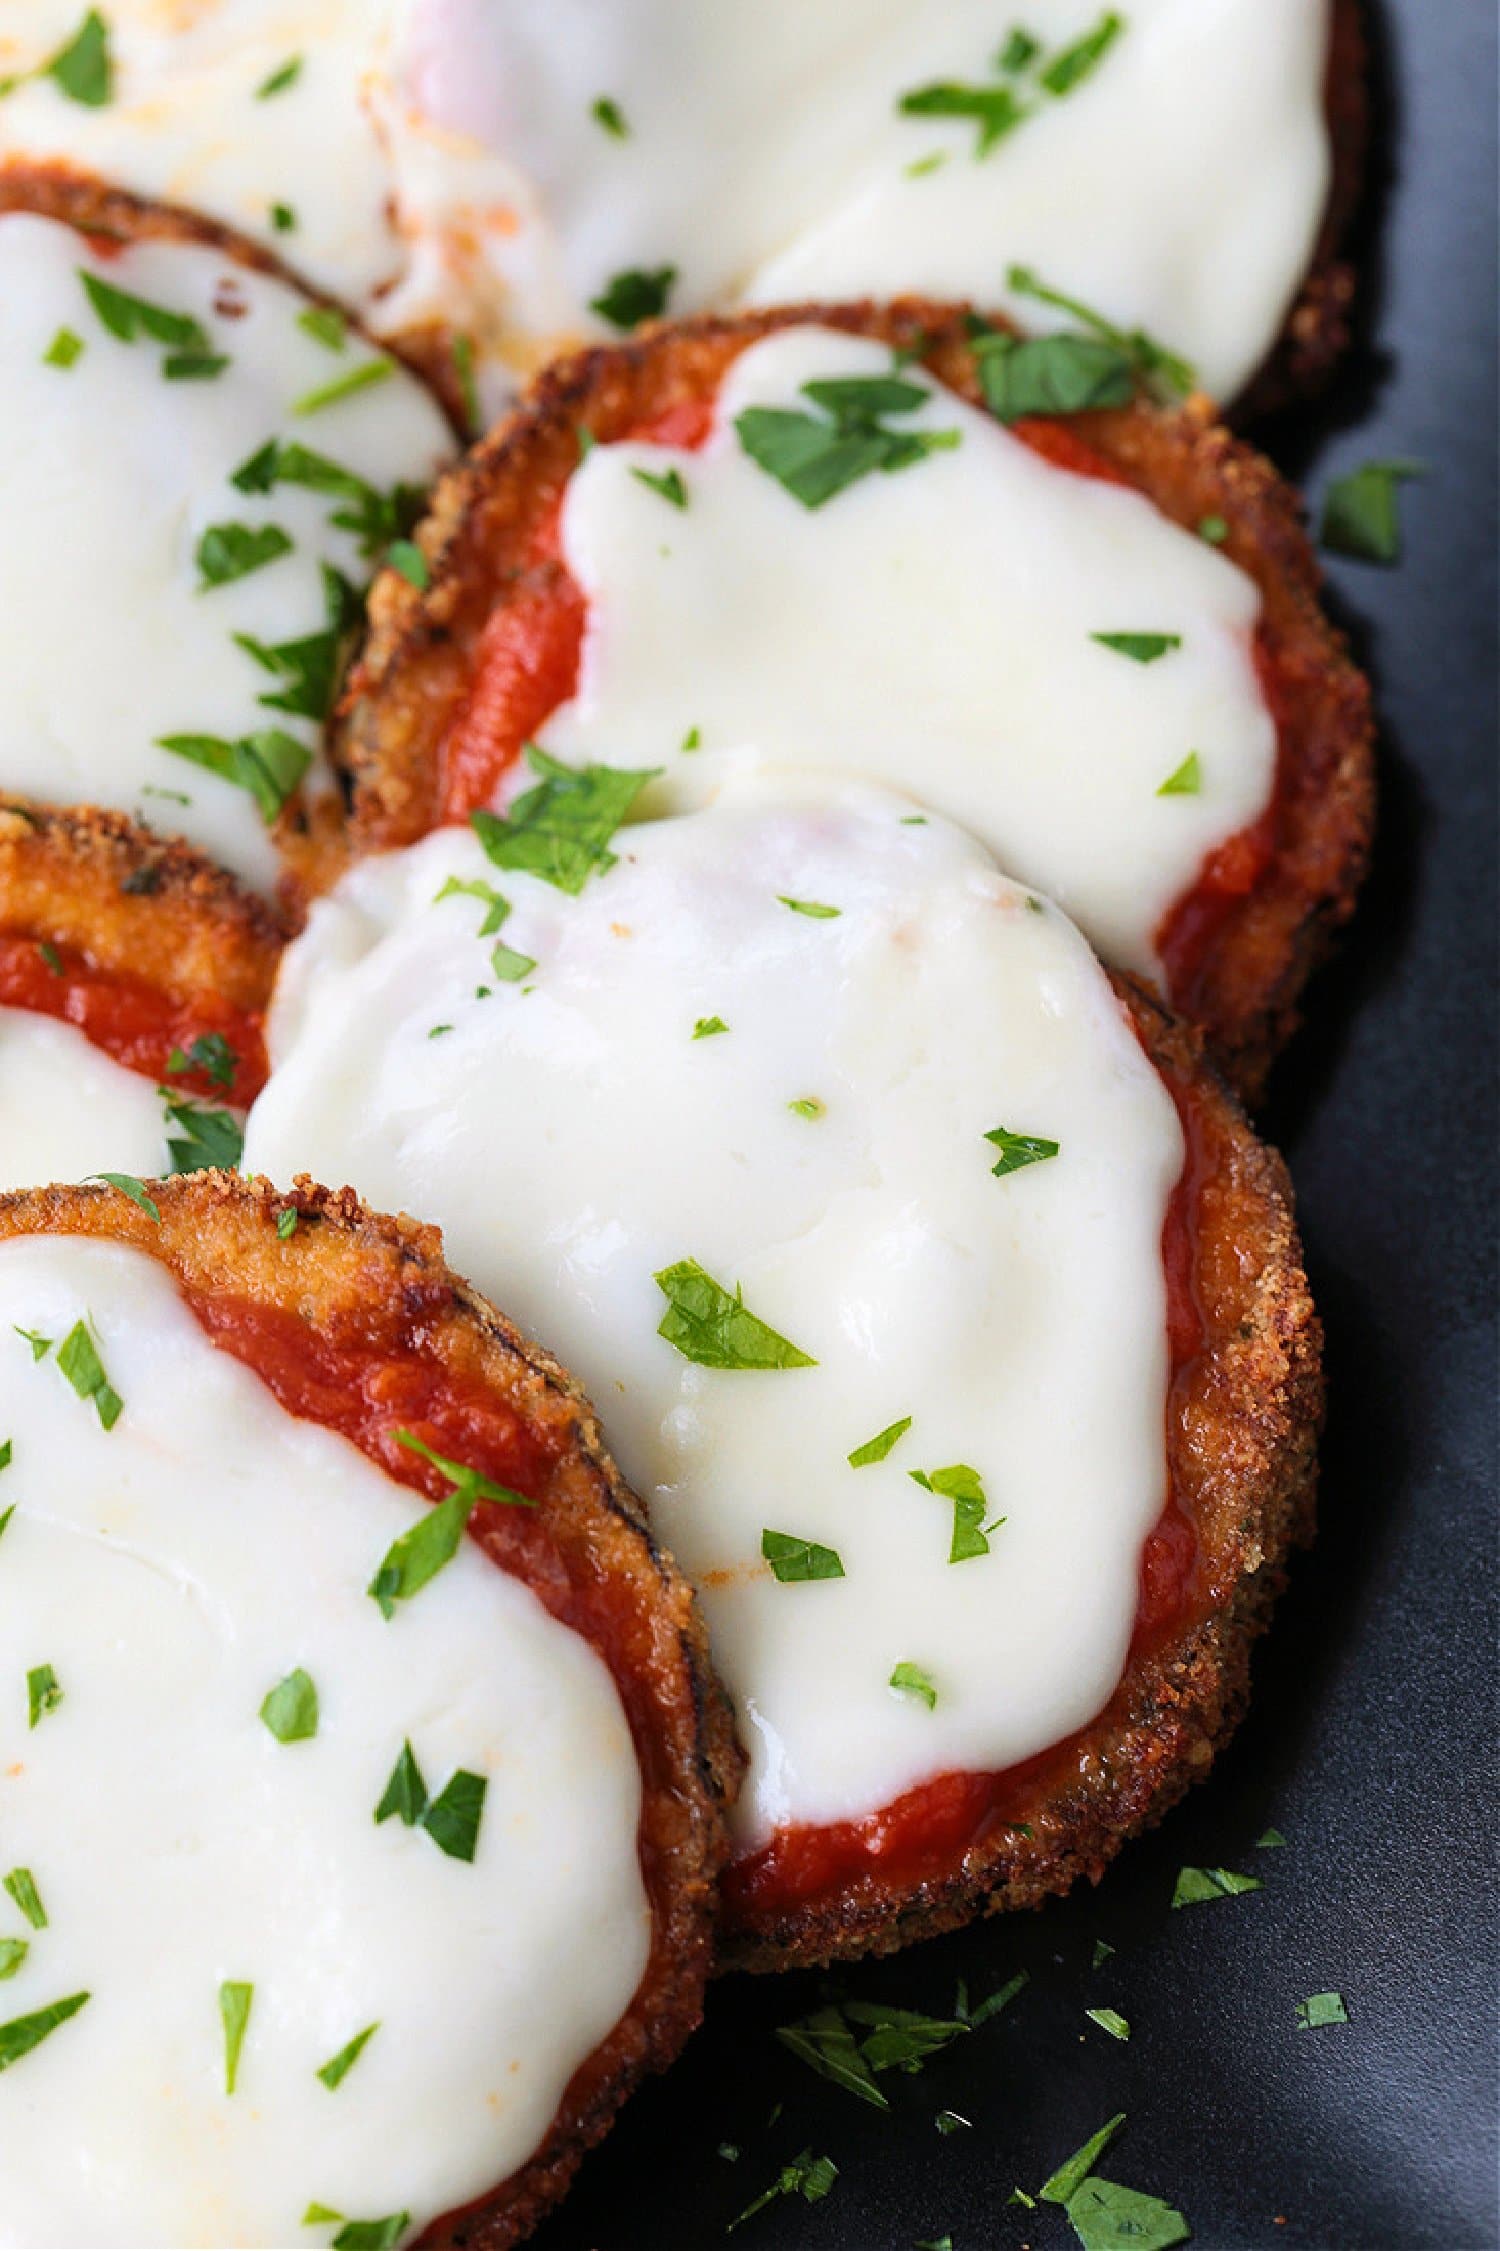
<point x="1214" y="529"/>
<point x="468" y="389"/>
<point x="1050" y="375"/>
<point x="806" y="2176"/>
<point x="270" y="765"/>
<point x="209" y="1053"/>
<point x="994" y="109"/>
<point x="187" y="367"/>
<point x="1268" y="1840"/>
<point x="78" y="1359"/>
<point x="204" y="1140"/>
<point x="374" y="517"/>
<point x="281" y="79"/>
<point x="326" y="325"/>
<point x="405" y="1794"/>
<point x="286" y="1225"/>
<point x="1360" y="516"/>
<point x="669" y="484"/>
<point x="561" y="829"/>
<point x="22" y="2034"/>
<point x="1017" y="1150"/>
<point x="308" y="666"/>
<point x="509" y="966"/>
<point x="419" y="1554"/>
<point x="708" y="1326"/>
<point x="951" y="2122"/>
<point x="372" y="2235"/>
<point x="708" y="1026"/>
<point x="910" y="1680"/>
<point x="361" y="378"/>
<point x="816" y="457"/>
<point x="692" y="740"/>
<point x="13" y="1952"/>
<point x="1073" y="64"/>
<point x="64" y="350"/>
<point x="82" y="68"/>
<point x="639" y="293"/>
<point x="290" y="1710"/>
<point x="130" y="318"/>
<point x="451" y="1819"/>
<point x="609" y="114"/>
<point x="1319" y="2009"/>
<point x="1197" y="1884"/>
<point x="438" y="1030"/>
<point x="5" y="1455"/>
<point x="825" y="2043"/>
<point x="1106" y="2216"/>
<point x="1185" y="780"/>
<point x="40" y="1345"/>
<point x="43" y="1693"/>
<point x="283" y="218"/>
<point x="793" y="1559"/>
<point x="875" y="1449"/>
<point x="405" y="557"/>
<point x="1141" y="648"/>
<point x="496" y="905"/>
<point x="21" y="1885"/>
<point x="1163" y="371"/>
<point x="964" y="1487"/>
<point x="230" y="551"/>
<point x="51" y="957"/>
<point x="997" y="2001"/>
<point x="997" y="109"/>
<point x="1110" y="2021"/>
<point x="890" y="2039"/>
<point x="338" y="2067"/>
<point x="234" y="2010"/>
<point x="813" y="908"/>
<point x="1075" y="2170"/>
<point x="1020" y="49"/>
<point x="1102" y="1953"/>
<point x="129" y="1186"/>
<point x="808" y="1106"/>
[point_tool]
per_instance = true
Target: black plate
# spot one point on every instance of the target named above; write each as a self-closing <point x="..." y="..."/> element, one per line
<point x="1370" y="1742"/>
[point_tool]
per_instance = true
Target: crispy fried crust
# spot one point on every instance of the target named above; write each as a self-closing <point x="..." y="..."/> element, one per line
<point x="308" y="834"/>
<point x="141" y="905"/>
<point x="1242" y="1431"/>
<point x="414" y="674"/>
<point x="359" y="1278"/>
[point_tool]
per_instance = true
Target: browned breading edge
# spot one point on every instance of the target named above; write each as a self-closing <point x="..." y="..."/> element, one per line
<point x="341" y="1262"/>
<point x="1243" y="1425"/>
<point x="308" y="834"/>
<point x="414" y="673"/>
<point x="135" y="903"/>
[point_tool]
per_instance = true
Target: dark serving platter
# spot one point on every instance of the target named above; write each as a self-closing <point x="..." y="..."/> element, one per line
<point x="1370" y="1744"/>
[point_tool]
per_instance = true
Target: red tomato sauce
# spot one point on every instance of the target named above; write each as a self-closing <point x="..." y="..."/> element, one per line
<point x="924" y="1835"/>
<point x="527" y="660"/>
<point x="134" y="1021"/>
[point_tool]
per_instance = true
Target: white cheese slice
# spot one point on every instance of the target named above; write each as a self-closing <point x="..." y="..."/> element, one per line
<point x="171" y="1571"/>
<point x="574" y="1138"/>
<point x="932" y="628"/>
<point x="68" y="1109"/>
<point x="109" y="639"/>
<point x="444" y="158"/>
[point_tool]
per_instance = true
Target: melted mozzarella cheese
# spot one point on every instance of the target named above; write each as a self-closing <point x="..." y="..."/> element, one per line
<point x="444" y="158"/>
<point x="574" y="1138"/>
<point x="67" y="1109"/>
<point x="113" y="475"/>
<point x="932" y="628"/>
<point x="172" y="1571"/>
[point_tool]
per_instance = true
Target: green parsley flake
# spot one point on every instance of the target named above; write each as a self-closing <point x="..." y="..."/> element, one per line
<point x="453" y="1816"/>
<point x="808" y="1106"/>
<point x="1050" y="375"/>
<point x="1074" y="64"/>
<point x="1017" y="1150"/>
<point x="1141" y="648"/>
<point x="43" y="1693"/>
<point x="78" y="1359"/>
<point x="825" y="2043"/>
<point x="419" y="1554"/>
<point x="922" y="167"/>
<point x="1186" y="780"/>
<point x="338" y="2067"/>
<point x="1163" y="371"/>
<point x="405" y="1795"/>
<point x="21" y="1885"/>
<point x="965" y="1488"/>
<point x="290" y="1710"/>
<point x="1197" y="1884"/>
<point x="82" y="69"/>
<point x="64" y="350"/>
<point x="812" y="908"/>
<point x="234" y="2010"/>
<point x="509" y="966"/>
<point x="997" y="2001"/>
<point x="910" y="1680"/>
<point x="707" y="1027"/>
<point x="1269" y="1839"/>
<point x="639" y="293"/>
<point x="692" y="740"/>
<point x="209" y="1053"/>
<point x="561" y="829"/>
<point x="326" y="325"/>
<point x="22" y="2034"/>
<point x="875" y="1449"/>
<point x="995" y="110"/>
<point x="1075" y="2170"/>
<point x="227" y="552"/>
<point x="283" y="218"/>
<point x="374" y="517"/>
<point x="281" y="79"/>
<point x="608" y="114"/>
<point x="5" y="1455"/>
<point x="816" y="458"/>
<point x="1102" y="1953"/>
<point x="1319" y="2009"/>
<point x="13" y="1952"/>
<point x="40" y="1345"/>
<point x="1110" y="2021"/>
<point x="361" y="378"/>
<point x="714" y="1330"/>
<point x="1020" y="49"/>
<point x="204" y="1140"/>
<point x="1214" y="529"/>
<point x="1360" y="517"/>
<point x="128" y="1185"/>
<point x="405" y="557"/>
<point x="497" y="907"/>
<point x="1107" y="2217"/>
<point x="270" y="765"/>
<point x="669" y="485"/>
<point x="793" y="1559"/>
<point x="372" y="2235"/>
<point x="468" y="389"/>
<point x="952" y="2122"/>
<point x="286" y="1225"/>
<point x="806" y="2176"/>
